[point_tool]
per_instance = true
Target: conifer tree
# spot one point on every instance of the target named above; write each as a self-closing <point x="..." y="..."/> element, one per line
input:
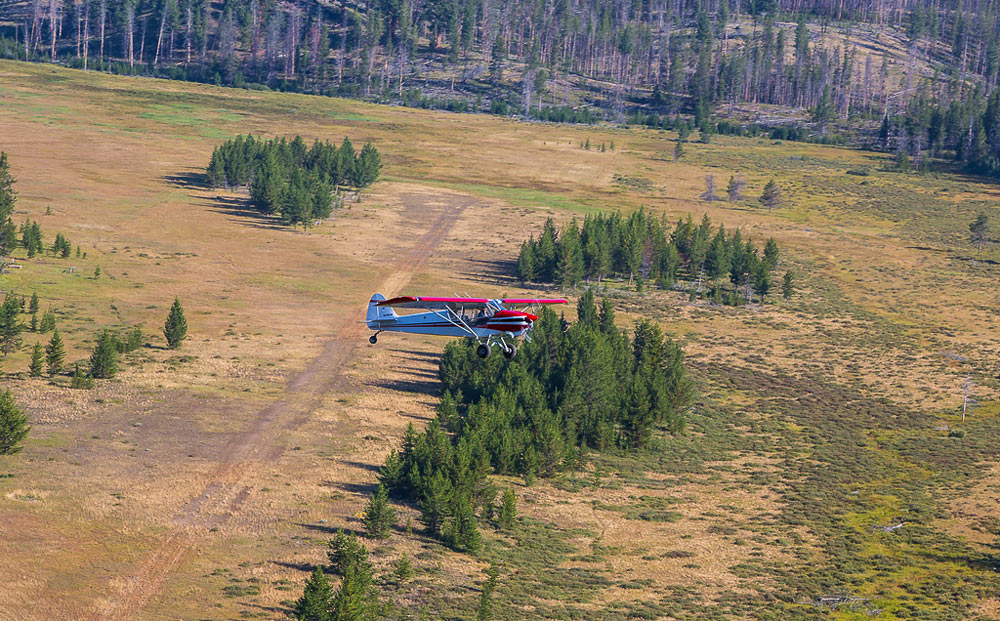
<point x="434" y="505"/>
<point x="48" y="322"/>
<point x="10" y="325"/>
<point x="37" y="356"/>
<point x="13" y="424"/>
<point x="771" y="253"/>
<point x="8" y="197"/>
<point x="526" y="261"/>
<point x="787" y="285"/>
<point x="316" y="600"/>
<point x="734" y="188"/>
<point x="379" y="515"/>
<point x="678" y="150"/>
<point x="403" y="570"/>
<point x="771" y="197"/>
<point x="508" y="509"/>
<point x="569" y="261"/>
<point x="104" y="359"/>
<point x="484" y="611"/>
<point x="586" y="309"/>
<point x="175" y="329"/>
<point x="463" y="533"/>
<point x="368" y="168"/>
<point x="979" y="232"/>
<point x="55" y="353"/>
<point x="33" y="305"/>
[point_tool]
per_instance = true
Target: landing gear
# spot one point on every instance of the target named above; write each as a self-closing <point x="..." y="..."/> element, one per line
<point x="483" y="351"/>
<point x="373" y="338"/>
<point x="510" y="352"/>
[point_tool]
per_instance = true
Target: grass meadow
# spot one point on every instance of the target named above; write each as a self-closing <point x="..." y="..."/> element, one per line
<point x="180" y="490"/>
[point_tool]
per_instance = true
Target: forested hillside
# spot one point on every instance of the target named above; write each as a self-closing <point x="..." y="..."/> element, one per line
<point x="914" y="77"/>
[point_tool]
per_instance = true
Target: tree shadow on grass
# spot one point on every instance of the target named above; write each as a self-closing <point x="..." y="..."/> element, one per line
<point x="193" y="180"/>
<point x="494" y="271"/>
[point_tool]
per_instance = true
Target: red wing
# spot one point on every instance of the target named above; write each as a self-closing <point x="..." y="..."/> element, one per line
<point x="433" y="303"/>
<point x="535" y="301"/>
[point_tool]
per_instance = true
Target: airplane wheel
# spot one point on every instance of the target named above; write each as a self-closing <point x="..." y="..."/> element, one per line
<point x="510" y="352"/>
<point x="373" y="339"/>
<point x="483" y="351"/>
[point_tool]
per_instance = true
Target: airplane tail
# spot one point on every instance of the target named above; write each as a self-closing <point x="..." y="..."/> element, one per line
<point x="376" y="313"/>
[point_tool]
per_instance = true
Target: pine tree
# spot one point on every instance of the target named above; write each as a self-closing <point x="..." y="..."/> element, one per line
<point x="463" y="533"/>
<point x="8" y="197"/>
<point x="484" y="611"/>
<point x="316" y="600"/>
<point x="771" y="253"/>
<point x="13" y="424"/>
<point x="104" y="359"/>
<point x="678" y="150"/>
<point x="771" y="197"/>
<point x="55" y="353"/>
<point x="787" y="285"/>
<point x="10" y="325"/>
<point x="33" y="305"/>
<point x="569" y="260"/>
<point x="368" y="168"/>
<point x="734" y="188"/>
<point x="97" y="272"/>
<point x="403" y="571"/>
<point x="979" y="232"/>
<point x="379" y="515"/>
<point x="434" y="505"/>
<point x="48" y="322"/>
<point x="37" y="357"/>
<point x="175" y="329"/>
<point x="508" y="510"/>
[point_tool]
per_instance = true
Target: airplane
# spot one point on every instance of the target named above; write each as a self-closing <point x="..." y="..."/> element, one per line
<point x="488" y="321"/>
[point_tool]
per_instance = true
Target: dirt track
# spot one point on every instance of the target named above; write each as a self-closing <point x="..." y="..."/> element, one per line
<point x="225" y="489"/>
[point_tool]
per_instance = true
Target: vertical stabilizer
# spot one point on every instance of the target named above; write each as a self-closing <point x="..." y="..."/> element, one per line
<point x="376" y="312"/>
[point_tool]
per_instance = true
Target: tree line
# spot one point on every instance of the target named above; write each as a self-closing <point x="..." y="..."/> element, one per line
<point x="666" y="56"/>
<point x="573" y="388"/>
<point x="641" y="247"/>
<point x="300" y="184"/>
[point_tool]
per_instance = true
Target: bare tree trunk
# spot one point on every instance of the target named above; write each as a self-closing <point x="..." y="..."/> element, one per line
<point x="142" y="42"/>
<point x="104" y="19"/>
<point x="53" y="11"/>
<point x="159" y="37"/>
<point x="86" y="34"/>
<point x="79" y="26"/>
<point x="131" y="35"/>
<point x="187" y="38"/>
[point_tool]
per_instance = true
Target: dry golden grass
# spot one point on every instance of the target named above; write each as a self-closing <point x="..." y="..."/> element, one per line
<point x="147" y="496"/>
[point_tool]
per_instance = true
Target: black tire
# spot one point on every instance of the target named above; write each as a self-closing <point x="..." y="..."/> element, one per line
<point x="483" y="351"/>
<point x="373" y="339"/>
<point x="510" y="352"/>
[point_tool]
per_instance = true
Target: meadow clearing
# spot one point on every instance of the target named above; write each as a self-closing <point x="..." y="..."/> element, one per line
<point x="205" y="482"/>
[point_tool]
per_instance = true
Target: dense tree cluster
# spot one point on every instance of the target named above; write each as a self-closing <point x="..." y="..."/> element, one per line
<point x="572" y="388"/>
<point x="641" y="246"/>
<point x="657" y="56"/>
<point x="13" y="424"/>
<point x="356" y="599"/>
<point x="291" y="179"/>
<point x="962" y="124"/>
<point x="8" y="197"/>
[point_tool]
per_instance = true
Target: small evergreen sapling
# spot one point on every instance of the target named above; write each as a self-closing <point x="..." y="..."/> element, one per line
<point x="175" y="330"/>
<point x="316" y="600"/>
<point x="13" y="424"/>
<point x="55" y="353"/>
<point x="379" y="515"/>
<point x="508" y="509"/>
<point x="37" y="357"/>
<point x="104" y="360"/>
